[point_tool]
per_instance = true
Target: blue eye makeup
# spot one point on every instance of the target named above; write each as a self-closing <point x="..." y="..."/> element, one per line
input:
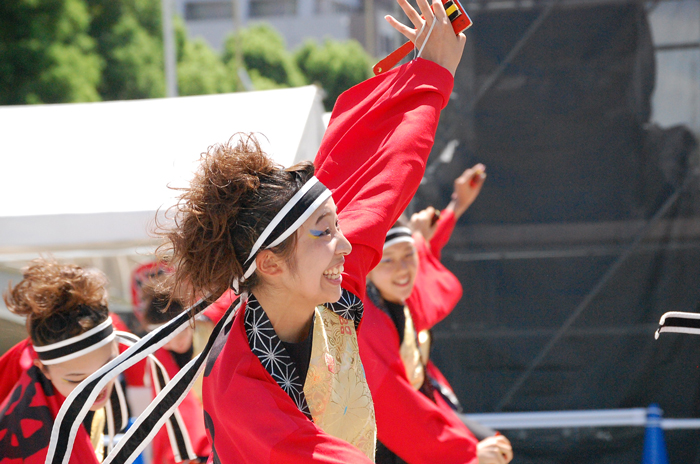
<point x="319" y="233"/>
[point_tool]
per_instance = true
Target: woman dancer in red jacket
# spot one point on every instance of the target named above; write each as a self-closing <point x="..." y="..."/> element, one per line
<point x="408" y="293"/>
<point x="70" y="336"/>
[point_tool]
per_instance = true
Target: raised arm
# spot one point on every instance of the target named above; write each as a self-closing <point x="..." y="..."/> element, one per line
<point x="374" y="152"/>
<point x="436" y="292"/>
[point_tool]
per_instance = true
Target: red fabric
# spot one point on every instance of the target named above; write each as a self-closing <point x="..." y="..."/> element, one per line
<point x="437" y="290"/>
<point x="445" y="226"/>
<point x="215" y="311"/>
<point x="191" y="407"/>
<point x="374" y="152"/>
<point x="408" y="423"/>
<point x="27" y="415"/>
<point x="11" y="367"/>
<point x="432" y="370"/>
<point x="254" y="420"/>
<point x="118" y="323"/>
<point x="372" y="157"/>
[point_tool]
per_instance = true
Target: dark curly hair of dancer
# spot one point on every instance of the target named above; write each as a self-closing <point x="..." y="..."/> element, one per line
<point x="60" y="301"/>
<point x="235" y="194"/>
<point x="160" y="305"/>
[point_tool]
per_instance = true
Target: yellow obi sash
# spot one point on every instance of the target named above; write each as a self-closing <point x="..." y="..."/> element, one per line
<point x="96" y="433"/>
<point x="411" y="354"/>
<point x="335" y="388"/>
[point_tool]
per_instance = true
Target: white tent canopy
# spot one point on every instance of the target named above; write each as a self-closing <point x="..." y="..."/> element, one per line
<point x="116" y="159"/>
<point x="84" y="181"/>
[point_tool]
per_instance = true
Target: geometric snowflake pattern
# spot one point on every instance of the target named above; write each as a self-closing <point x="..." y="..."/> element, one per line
<point x="267" y="346"/>
<point x="270" y="350"/>
<point x="349" y="307"/>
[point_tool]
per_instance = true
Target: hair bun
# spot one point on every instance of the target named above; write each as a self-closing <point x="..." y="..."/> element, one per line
<point x="50" y="290"/>
<point x="234" y="194"/>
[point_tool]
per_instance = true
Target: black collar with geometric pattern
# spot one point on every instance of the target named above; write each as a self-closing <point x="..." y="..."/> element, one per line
<point x="273" y="355"/>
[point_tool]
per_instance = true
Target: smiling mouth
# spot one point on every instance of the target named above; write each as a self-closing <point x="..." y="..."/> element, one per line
<point x="101" y="397"/>
<point x="402" y="282"/>
<point x="335" y="273"/>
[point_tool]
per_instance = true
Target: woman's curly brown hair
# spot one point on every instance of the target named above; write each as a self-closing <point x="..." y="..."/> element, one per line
<point x="60" y="301"/>
<point x="234" y="195"/>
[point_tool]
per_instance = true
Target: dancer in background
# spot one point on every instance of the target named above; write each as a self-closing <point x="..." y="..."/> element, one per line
<point x="409" y="291"/>
<point x="67" y="304"/>
<point x="70" y="336"/>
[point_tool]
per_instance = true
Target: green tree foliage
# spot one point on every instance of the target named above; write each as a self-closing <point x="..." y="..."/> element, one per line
<point x="87" y="50"/>
<point x="335" y="65"/>
<point x="128" y="35"/>
<point x="46" y="54"/>
<point x="265" y="56"/>
<point x="200" y="71"/>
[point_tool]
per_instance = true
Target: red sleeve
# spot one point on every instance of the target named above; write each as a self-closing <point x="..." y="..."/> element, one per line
<point x="374" y="153"/>
<point x="405" y="417"/>
<point x="436" y="292"/>
<point x="443" y="232"/>
<point x="261" y="423"/>
<point x="11" y="366"/>
<point x="118" y="323"/>
<point x="215" y="311"/>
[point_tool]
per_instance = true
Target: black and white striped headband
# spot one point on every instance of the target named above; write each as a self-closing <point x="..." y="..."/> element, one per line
<point x="679" y="322"/>
<point x="297" y="210"/>
<point x="398" y="235"/>
<point x="74" y="347"/>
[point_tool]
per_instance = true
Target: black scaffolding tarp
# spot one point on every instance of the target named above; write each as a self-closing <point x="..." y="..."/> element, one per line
<point x="587" y="230"/>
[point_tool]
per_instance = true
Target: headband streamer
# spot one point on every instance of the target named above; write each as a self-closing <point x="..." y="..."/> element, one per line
<point x="679" y="322"/>
<point x="74" y="347"/>
<point x="398" y="235"/>
<point x="74" y="409"/>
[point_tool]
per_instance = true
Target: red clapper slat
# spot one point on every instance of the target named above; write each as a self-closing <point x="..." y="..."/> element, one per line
<point x="459" y="23"/>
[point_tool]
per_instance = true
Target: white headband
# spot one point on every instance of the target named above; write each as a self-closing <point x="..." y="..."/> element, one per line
<point x="297" y="210"/>
<point x="74" y="347"/>
<point x="398" y="235"/>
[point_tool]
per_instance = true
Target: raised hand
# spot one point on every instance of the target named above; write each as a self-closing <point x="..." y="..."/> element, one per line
<point x="444" y="47"/>
<point x="467" y="188"/>
<point x="494" y="450"/>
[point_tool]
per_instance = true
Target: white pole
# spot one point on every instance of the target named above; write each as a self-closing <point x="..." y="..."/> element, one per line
<point x="169" y="49"/>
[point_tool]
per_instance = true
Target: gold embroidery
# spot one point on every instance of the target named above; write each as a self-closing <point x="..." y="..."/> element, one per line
<point x="410" y="354"/>
<point x="97" y="433"/>
<point x="336" y="389"/>
<point x="424" y="342"/>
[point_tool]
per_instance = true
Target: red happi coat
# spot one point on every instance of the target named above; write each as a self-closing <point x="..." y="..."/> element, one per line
<point x="28" y="410"/>
<point x="372" y="158"/>
<point x="409" y="424"/>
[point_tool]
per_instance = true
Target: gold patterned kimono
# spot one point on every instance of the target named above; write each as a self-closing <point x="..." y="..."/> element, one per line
<point x="334" y="394"/>
<point x="336" y="390"/>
